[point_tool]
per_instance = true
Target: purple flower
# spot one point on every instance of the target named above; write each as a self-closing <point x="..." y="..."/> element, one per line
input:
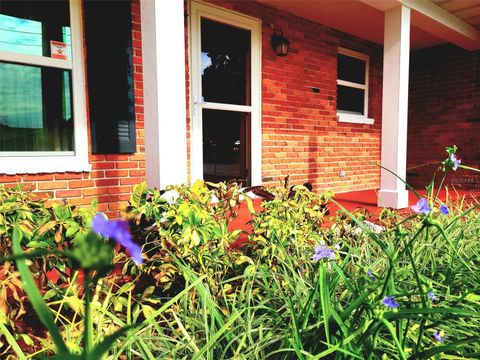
<point x="444" y="209"/>
<point x="119" y="231"/>
<point x="439" y="336"/>
<point x="455" y="161"/>
<point x="370" y="274"/>
<point x="421" y="206"/>
<point x="389" y="302"/>
<point x="323" y="252"/>
<point x="431" y="295"/>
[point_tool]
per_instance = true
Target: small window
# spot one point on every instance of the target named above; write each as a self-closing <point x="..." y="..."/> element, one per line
<point x="352" y="83"/>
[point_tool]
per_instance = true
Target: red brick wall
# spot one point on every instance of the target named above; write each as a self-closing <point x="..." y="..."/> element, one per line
<point x="444" y="109"/>
<point x="112" y="176"/>
<point x="301" y="134"/>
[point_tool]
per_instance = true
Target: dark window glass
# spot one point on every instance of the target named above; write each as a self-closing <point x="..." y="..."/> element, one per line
<point x="226" y="140"/>
<point x="35" y="109"/>
<point x="351" y="69"/>
<point x="350" y="100"/>
<point x="225" y="63"/>
<point x="27" y="27"/>
<point x="108" y="29"/>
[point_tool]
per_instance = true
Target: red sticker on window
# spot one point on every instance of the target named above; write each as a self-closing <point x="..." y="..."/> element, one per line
<point x="58" y="50"/>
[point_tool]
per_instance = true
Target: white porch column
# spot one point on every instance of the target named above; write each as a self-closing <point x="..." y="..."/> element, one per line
<point x="163" y="50"/>
<point x="395" y="107"/>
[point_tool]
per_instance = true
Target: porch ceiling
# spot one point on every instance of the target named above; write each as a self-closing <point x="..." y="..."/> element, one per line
<point x="466" y="10"/>
<point x="433" y="22"/>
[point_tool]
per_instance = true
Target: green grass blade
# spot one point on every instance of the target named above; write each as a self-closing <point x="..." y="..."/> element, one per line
<point x="404" y="313"/>
<point x="218" y="334"/>
<point x="453" y="347"/>
<point x="403" y="181"/>
<point x="30" y="287"/>
<point x="98" y="351"/>
<point x="390" y="328"/>
<point x="296" y="342"/>
<point x="12" y="342"/>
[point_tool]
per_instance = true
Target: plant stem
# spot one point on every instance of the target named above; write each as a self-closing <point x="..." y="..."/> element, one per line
<point x="440" y="186"/>
<point x="325" y="301"/>
<point x="88" y="326"/>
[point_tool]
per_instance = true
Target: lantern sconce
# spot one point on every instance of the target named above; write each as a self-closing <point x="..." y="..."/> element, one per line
<point x="280" y="43"/>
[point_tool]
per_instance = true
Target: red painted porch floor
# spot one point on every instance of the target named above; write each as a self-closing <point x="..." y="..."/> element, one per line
<point x="366" y="199"/>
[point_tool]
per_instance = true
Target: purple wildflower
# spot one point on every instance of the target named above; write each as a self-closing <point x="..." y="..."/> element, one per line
<point x="119" y="231"/>
<point x="323" y="252"/>
<point x="456" y="162"/>
<point x="389" y="302"/>
<point x="370" y="274"/>
<point x="431" y="295"/>
<point x="444" y="209"/>
<point x="421" y="206"/>
<point x="439" y="336"/>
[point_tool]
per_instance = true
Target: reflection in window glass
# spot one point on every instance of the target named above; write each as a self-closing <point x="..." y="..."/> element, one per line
<point x="35" y="109"/>
<point x="225" y="64"/>
<point x="27" y="27"/>
<point x="20" y="35"/>
<point x="67" y="39"/>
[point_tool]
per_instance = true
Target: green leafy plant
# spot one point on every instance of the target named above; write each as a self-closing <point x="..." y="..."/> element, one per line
<point x="189" y="223"/>
<point x="397" y="286"/>
<point x="45" y="230"/>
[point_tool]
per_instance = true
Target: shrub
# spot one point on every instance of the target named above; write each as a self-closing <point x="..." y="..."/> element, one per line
<point x="396" y="287"/>
<point x="45" y="230"/>
<point x="188" y="223"/>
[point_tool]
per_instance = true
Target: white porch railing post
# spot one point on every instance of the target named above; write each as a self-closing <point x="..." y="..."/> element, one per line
<point x="396" y="55"/>
<point x="163" y="53"/>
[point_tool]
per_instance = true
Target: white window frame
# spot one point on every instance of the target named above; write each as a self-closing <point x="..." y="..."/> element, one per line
<point x="197" y="11"/>
<point x="33" y="162"/>
<point x="346" y="116"/>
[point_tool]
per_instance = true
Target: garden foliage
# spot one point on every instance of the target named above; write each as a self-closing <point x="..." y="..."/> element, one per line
<point x="302" y="285"/>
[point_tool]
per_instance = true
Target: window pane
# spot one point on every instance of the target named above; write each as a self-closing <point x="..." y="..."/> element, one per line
<point x="351" y="69"/>
<point x="35" y="109"/>
<point x="27" y="27"/>
<point x="350" y="100"/>
<point x="226" y="141"/>
<point x="110" y="76"/>
<point x="225" y="63"/>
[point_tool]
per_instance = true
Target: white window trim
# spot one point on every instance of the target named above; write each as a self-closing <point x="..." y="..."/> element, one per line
<point x="50" y="162"/>
<point x="198" y="10"/>
<point x="347" y="117"/>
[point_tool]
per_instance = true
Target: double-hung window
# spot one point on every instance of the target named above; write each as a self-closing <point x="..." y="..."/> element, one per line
<point x="42" y="96"/>
<point x="352" y="86"/>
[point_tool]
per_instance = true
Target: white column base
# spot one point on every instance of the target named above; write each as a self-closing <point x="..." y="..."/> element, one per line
<point x="396" y="199"/>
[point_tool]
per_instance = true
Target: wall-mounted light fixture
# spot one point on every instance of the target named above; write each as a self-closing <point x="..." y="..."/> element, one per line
<point x="280" y="43"/>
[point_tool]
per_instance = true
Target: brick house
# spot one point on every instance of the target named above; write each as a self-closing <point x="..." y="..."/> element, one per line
<point x="97" y="96"/>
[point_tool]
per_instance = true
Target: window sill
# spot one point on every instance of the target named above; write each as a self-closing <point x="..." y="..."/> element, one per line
<point x="354" y="119"/>
<point x="43" y="164"/>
